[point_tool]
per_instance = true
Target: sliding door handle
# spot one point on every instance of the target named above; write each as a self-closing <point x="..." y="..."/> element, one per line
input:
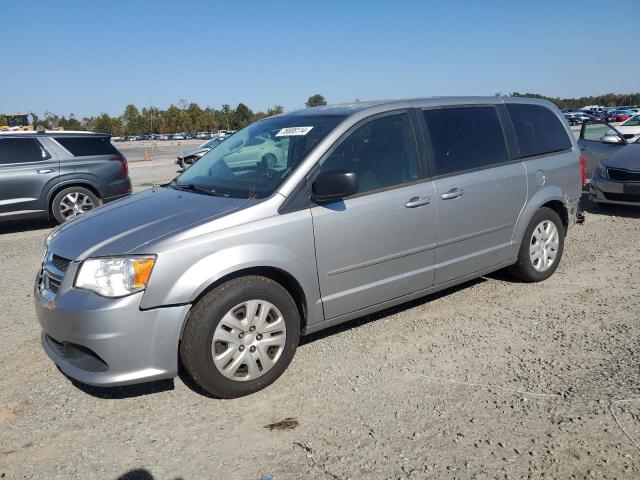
<point x="453" y="193"/>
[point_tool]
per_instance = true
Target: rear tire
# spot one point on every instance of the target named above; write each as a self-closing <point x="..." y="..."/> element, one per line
<point x="73" y="201"/>
<point x="219" y="348"/>
<point x="541" y="248"/>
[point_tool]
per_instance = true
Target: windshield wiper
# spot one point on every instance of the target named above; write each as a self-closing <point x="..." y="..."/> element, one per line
<point x="194" y="188"/>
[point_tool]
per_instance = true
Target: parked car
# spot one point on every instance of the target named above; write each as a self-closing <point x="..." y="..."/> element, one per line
<point x="370" y="205"/>
<point x="571" y="119"/>
<point x="189" y="157"/>
<point x="59" y="174"/>
<point x="617" y="178"/>
<point x="630" y="128"/>
<point x="598" y="141"/>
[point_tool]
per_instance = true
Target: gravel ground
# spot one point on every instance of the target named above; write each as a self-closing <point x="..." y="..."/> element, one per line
<point x="492" y="379"/>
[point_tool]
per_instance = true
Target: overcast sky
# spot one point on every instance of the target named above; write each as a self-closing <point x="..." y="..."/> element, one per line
<point x="88" y="57"/>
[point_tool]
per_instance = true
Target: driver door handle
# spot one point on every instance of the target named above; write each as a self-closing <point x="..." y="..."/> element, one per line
<point x="417" y="202"/>
<point x="453" y="193"/>
<point x="584" y="148"/>
<point x="45" y="170"/>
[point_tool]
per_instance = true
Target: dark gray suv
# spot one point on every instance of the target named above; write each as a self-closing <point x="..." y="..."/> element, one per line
<point x="59" y="174"/>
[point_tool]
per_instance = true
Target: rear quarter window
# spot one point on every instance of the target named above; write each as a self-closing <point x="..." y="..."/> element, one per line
<point x="538" y="129"/>
<point x="85" y="146"/>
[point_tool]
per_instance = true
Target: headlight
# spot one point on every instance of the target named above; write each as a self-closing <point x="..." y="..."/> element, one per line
<point x="602" y="171"/>
<point x="115" y="276"/>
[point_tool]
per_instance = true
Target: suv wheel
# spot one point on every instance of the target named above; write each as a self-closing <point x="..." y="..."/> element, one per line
<point x="541" y="247"/>
<point x="240" y="337"/>
<point x="73" y="201"/>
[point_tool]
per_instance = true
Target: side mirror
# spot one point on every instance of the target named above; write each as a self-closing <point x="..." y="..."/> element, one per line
<point x="613" y="140"/>
<point x="334" y="185"/>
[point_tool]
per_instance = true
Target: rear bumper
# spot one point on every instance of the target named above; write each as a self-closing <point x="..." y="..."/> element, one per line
<point x="109" y="342"/>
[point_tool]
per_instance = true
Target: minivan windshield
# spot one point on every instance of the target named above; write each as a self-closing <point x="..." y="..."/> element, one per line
<point x="254" y="161"/>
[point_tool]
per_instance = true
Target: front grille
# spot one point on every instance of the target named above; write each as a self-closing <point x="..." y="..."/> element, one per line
<point x="52" y="273"/>
<point x="620" y="197"/>
<point x="51" y="283"/>
<point x="60" y="263"/>
<point x="619" y="175"/>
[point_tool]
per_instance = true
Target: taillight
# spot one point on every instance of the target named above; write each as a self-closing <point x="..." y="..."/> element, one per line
<point x="583" y="171"/>
<point x="123" y="165"/>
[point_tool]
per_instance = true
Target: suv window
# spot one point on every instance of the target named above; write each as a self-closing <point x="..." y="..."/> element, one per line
<point x="382" y="153"/>
<point x="21" y="150"/>
<point x="465" y="138"/>
<point x="593" y="132"/>
<point x="83" y="146"/>
<point x="538" y="130"/>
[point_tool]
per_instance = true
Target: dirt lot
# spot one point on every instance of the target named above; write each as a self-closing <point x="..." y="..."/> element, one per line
<point x="493" y="379"/>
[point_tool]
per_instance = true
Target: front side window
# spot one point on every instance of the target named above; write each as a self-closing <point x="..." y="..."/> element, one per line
<point x="21" y="150"/>
<point x="382" y="153"/>
<point x="594" y="132"/>
<point x="254" y="162"/>
<point x="632" y="122"/>
<point x="465" y="138"/>
<point x="538" y="130"/>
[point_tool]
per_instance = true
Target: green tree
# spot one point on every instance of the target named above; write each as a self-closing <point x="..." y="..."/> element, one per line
<point x="132" y="120"/>
<point x="3" y="121"/>
<point x="316" y="101"/>
<point x="243" y="116"/>
<point x="102" y="123"/>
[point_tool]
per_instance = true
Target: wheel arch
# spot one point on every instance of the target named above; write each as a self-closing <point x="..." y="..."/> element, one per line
<point x="551" y="197"/>
<point x="281" y="277"/>
<point x="70" y="183"/>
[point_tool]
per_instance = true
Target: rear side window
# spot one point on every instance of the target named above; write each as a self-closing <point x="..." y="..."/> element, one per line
<point x="83" y="146"/>
<point x="464" y="138"/>
<point x="538" y="130"/>
<point x="21" y="150"/>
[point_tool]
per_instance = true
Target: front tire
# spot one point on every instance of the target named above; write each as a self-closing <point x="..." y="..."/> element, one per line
<point x="541" y="248"/>
<point x="240" y="337"/>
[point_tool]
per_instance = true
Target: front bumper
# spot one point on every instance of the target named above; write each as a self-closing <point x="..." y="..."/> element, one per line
<point x="108" y="342"/>
<point x="603" y="190"/>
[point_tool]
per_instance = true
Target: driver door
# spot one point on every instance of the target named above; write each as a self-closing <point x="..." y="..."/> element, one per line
<point x="379" y="244"/>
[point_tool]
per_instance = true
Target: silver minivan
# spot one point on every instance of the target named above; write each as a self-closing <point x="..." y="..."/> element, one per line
<point x="302" y="221"/>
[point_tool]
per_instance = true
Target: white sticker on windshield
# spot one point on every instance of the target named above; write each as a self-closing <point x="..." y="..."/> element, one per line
<point x="293" y="131"/>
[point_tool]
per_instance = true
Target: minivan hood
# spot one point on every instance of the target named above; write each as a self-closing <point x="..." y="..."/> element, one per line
<point x="627" y="158"/>
<point x="125" y="225"/>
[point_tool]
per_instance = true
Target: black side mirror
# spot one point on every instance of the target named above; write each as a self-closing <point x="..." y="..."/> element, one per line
<point x="334" y="185"/>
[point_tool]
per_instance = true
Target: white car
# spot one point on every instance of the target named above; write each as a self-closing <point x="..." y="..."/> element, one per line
<point x="630" y="128"/>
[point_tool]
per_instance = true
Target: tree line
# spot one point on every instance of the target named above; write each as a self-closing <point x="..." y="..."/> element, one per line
<point x="605" y="100"/>
<point x="184" y="117"/>
<point x="190" y="117"/>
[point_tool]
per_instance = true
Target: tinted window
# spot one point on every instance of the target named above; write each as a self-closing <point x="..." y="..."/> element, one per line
<point x="595" y="131"/>
<point x="21" y="150"/>
<point x="465" y="138"/>
<point x="82" y="146"/>
<point x="382" y="153"/>
<point x="538" y="130"/>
